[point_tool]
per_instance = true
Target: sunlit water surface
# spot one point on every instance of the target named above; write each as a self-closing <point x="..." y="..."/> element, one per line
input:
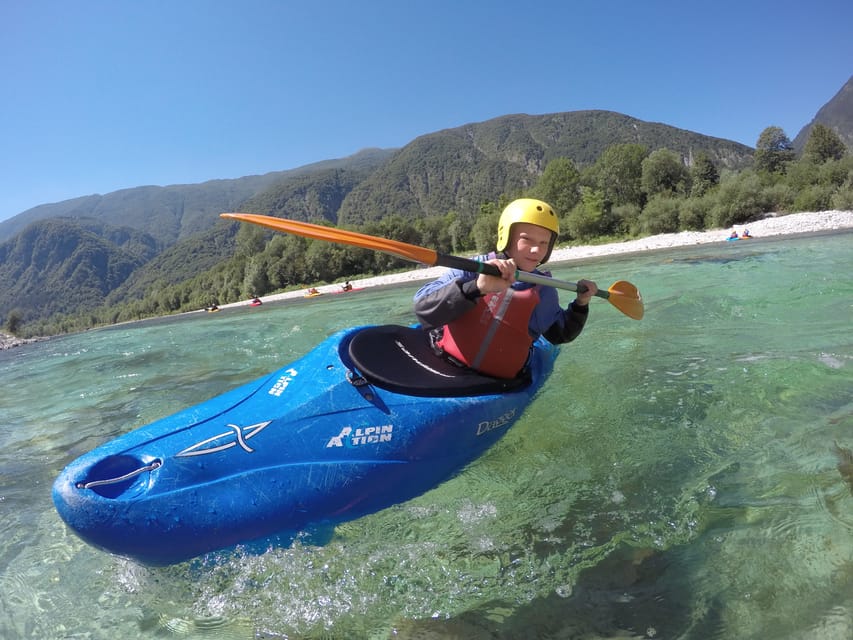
<point x="687" y="476"/>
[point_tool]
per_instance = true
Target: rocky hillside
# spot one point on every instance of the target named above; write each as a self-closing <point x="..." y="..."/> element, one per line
<point x="837" y="114"/>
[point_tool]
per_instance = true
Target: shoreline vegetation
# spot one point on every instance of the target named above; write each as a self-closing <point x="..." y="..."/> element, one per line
<point x="773" y="225"/>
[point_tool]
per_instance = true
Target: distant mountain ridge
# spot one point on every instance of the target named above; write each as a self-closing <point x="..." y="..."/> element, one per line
<point x="175" y="212"/>
<point x="454" y="168"/>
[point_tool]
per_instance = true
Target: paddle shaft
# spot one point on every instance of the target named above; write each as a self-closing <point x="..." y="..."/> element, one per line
<point x="475" y="266"/>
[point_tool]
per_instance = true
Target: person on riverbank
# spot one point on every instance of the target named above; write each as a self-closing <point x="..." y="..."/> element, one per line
<point x="489" y="323"/>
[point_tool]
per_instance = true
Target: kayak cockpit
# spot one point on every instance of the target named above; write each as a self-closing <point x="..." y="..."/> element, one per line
<point x="401" y="360"/>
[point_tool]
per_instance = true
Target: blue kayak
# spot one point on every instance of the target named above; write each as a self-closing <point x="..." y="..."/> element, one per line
<point x="369" y="418"/>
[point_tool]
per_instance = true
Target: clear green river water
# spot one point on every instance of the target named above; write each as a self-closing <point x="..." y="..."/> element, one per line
<point x="686" y="476"/>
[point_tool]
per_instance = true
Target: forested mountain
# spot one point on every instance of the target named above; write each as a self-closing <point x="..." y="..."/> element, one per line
<point x="64" y="265"/>
<point x="837" y="114"/>
<point x="166" y="213"/>
<point x="178" y="263"/>
<point x="458" y="169"/>
<point x="317" y="196"/>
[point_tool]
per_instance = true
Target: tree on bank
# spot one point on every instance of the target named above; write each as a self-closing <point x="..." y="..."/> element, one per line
<point x="559" y="185"/>
<point x="664" y="173"/>
<point x="773" y="151"/>
<point x="823" y="145"/>
<point x="703" y="175"/>
<point x="14" y="320"/>
<point x="618" y="174"/>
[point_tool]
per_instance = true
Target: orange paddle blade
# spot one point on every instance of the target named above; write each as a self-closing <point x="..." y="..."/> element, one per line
<point x="626" y="297"/>
<point x="331" y="234"/>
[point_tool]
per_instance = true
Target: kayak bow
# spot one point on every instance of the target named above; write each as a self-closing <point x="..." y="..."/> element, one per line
<point x="369" y="418"/>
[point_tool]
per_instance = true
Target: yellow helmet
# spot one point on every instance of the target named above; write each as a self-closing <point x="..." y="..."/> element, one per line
<point x="533" y="212"/>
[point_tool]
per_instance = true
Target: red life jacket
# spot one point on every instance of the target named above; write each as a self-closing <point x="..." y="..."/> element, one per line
<point x="493" y="337"/>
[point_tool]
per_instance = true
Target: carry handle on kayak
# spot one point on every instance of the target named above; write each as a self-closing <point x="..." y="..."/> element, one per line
<point x="621" y="294"/>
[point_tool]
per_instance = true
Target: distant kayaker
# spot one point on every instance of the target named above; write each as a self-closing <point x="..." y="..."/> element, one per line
<point x="346" y="286"/>
<point x="733" y="235"/>
<point x="489" y="322"/>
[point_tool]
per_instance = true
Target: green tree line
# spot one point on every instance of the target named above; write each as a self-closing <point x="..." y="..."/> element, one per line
<point x="628" y="192"/>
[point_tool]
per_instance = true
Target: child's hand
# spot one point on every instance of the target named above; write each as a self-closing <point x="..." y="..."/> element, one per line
<point x="591" y="289"/>
<point x="495" y="284"/>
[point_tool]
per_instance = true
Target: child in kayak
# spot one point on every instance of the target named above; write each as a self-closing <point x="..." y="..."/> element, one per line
<point x="489" y="323"/>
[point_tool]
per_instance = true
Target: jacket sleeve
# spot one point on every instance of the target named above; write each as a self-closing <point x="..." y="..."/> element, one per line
<point x="569" y="326"/>
<point x="445" y="299"/>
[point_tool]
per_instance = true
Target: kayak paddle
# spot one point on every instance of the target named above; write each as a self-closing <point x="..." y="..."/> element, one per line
<point x="622" y="295"/>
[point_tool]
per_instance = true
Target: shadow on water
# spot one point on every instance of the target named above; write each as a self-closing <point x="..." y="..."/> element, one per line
<point x="633" y="592"/>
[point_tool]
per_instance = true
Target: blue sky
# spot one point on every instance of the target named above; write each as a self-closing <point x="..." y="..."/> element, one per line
<point x="105" y="95"/>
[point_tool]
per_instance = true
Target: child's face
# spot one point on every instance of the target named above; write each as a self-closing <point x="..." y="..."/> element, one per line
<point x="528" y="245"/>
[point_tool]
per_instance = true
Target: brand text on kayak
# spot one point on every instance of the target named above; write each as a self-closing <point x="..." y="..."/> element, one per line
<point x="362" y="435"/>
